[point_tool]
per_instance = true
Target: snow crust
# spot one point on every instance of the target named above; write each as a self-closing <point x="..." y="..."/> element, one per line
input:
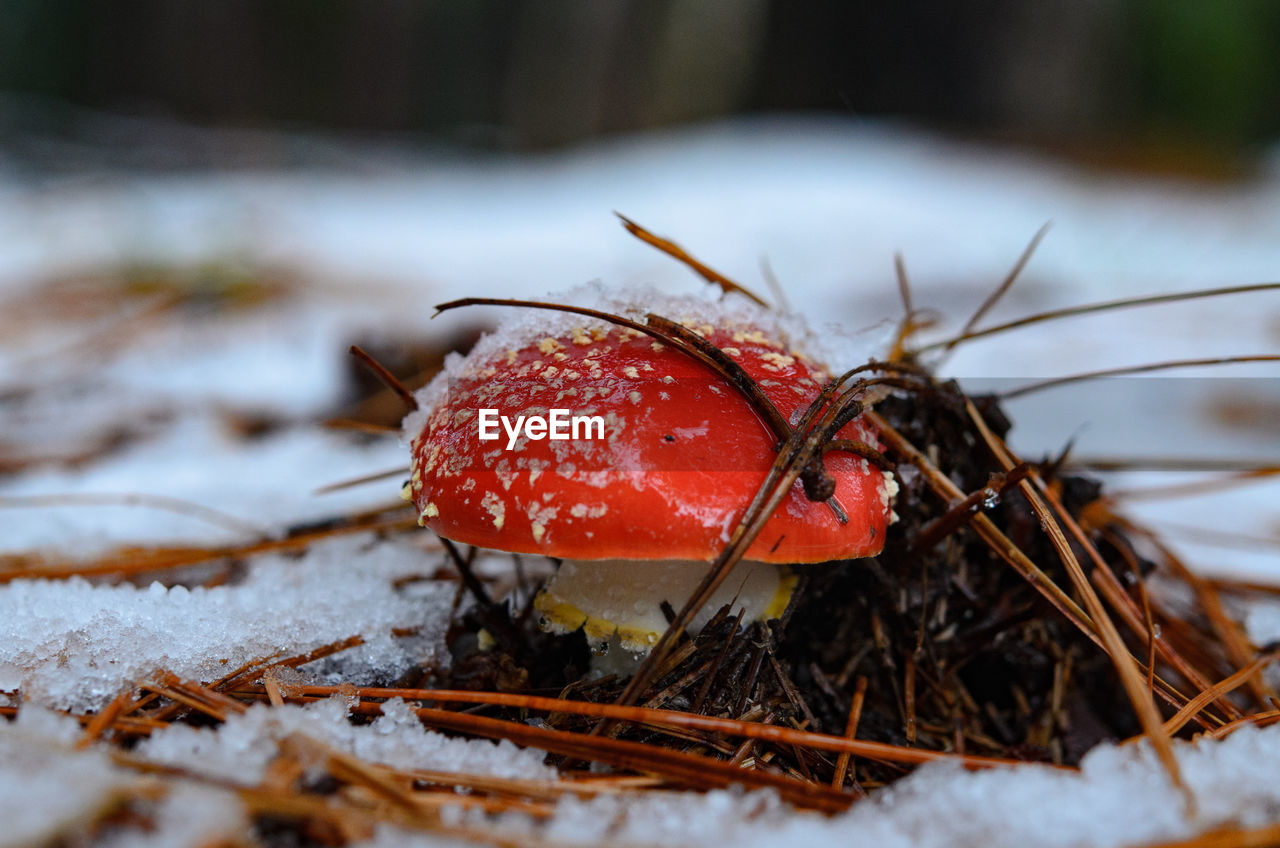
<point x="1121" y="796"/>
<point x="51" y="791"/>
<point x="521" y="327"/>
<point x="74" y="645"/>
<point x="1262" y="624"/>
<point x="258" y="487"/>
<point x="44" y="785"/>
<point x="188" y="814"/>
<point x="240" y="749"/>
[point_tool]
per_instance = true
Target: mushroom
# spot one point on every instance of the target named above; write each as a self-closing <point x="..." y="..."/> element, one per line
<point x="631" y="463"/>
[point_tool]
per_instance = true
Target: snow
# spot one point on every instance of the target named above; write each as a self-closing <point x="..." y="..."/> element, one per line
<point x="187" y="814"/>
<point x="156" y="393"/>
<point x="260" y="486"/>
<point x="44" y="785"/>
<point x="520" y="328"/>
<point x="74" y="645"/>
<point x="1262" y="624"/>
<point x="50" y="792"/>
<point x="240" y="749"/>
<point x="1121" y="796"/>
<point x="50" y="789"/>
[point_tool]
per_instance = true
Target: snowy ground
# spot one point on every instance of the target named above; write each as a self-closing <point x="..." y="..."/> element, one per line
<point x="124" y="402"/>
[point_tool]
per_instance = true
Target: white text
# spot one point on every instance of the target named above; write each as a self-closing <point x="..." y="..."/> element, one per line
<point x="558" y="425"/>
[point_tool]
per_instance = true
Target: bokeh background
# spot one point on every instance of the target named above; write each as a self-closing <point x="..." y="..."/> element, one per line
<point x="1168" y="84"/>
<point x="202" y="205"/>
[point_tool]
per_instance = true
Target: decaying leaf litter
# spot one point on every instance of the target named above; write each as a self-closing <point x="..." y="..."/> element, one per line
<point x="980" y="635"/>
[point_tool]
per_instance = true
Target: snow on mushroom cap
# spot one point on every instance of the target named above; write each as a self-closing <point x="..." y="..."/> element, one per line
<point x="520" y="327"/>
<point x="678" y="453"/>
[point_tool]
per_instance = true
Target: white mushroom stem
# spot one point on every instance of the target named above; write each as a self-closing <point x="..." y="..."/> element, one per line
<point x="617" y="602"/>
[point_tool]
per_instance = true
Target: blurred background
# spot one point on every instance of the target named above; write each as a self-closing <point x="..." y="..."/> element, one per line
<point x="203" y="204"/>
<point x="1178" y="85"/>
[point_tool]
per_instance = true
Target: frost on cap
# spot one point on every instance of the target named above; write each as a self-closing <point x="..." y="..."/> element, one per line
<point x="682" y="455"/>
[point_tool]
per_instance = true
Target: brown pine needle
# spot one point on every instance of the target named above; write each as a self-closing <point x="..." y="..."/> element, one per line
<point x="194" y="695"/>
<point x="1006" y="549"/>
<point x="1193" y="489"/>
<point x="260" y="667"/>
<point x="384" y="376"/>
<point x="538" y="790"/>
<point x="666" y="718"/>
<point x="347" y="768"/>
<point x="909" y="324"/>
<point x="1090" y="308"/>
<point x="158" y="559"/>
<point x="684" y="768"/>
<point x="1216" y="537"/>
<point x="1238" y="647"/>
<point x="323" y="651"/>
<point x="1261" y="719"/>
<point x="100" y="722"/>
<point x="361" y="427"/>
<point x="1005" y="284"/>
<point x="962" y="511"/>
<point x="272" y="688"/>
<point x="1140" y="623"/>
<point x="178" y="506"/>
<point x="904" y="287"/>
<point x="1218" y="690"/>
<point x="256" y="664"/>
<point x="850" y="730"/>
<point x="1131" y="678"/>
<point x="745" y="750"/>
<point x="1236" y="585"/>
<point x="667" y="332"/>
<point x="375" y="477"/>
<point x="1171" y="463"/>
<point x="1040" y="385"/>
<point x="340" y="820"/>
<point x="677" y="252"/>
<point x="126" y="724"/>
<point x="1152" y="638"/>
<point x="1003" y="547"/>
<point x="909" y="698"/>
<point x="1265" y="836"/>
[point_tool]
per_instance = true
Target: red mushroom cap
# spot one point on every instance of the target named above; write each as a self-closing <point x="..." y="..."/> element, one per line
<point x="683" y="453"/>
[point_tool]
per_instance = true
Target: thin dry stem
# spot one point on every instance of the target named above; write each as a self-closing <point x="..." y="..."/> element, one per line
<point x="850" y="731"/>
<point x="677" y="252"/>
<point x="1218" y="690"/>
<point x="1007" y="283"/>
<point x="160" y="559"/>
<point x="1089" y="308"/>
<point x="1041" y="385"/>
<point x="385" y="377"/>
